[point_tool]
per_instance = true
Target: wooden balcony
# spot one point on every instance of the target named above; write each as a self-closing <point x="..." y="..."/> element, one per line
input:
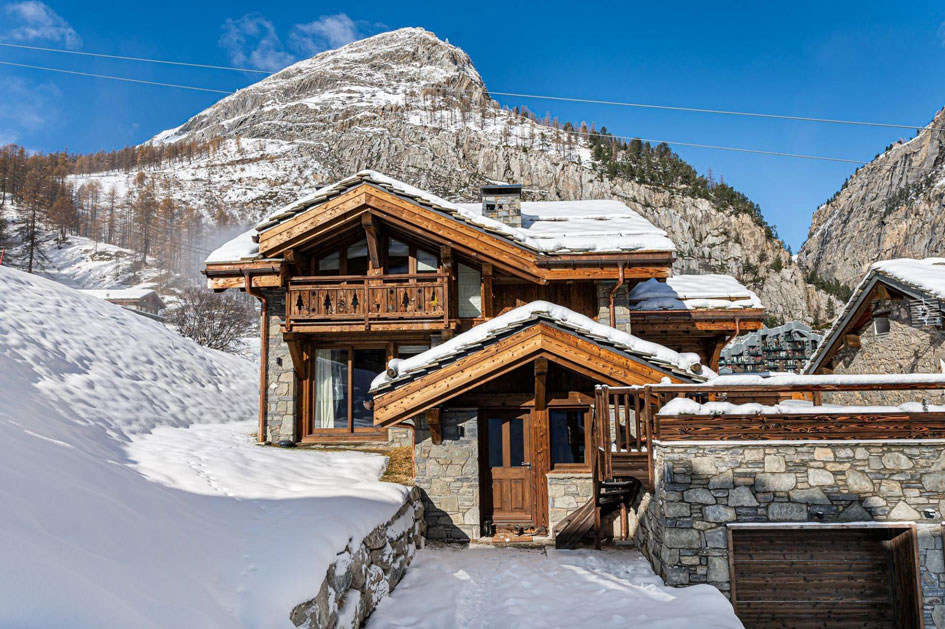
<point x="368" y="302"/>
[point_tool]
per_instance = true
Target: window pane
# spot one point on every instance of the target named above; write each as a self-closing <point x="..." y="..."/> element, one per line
<point x="406" y="351"/>
<point x="495" y="442"/>
<point x="331" y="389"/>
<point x="470" y="292"/>
<point x="328" y="265"/>
<point x="367" y="364"/>
<point x="516" y="442"/>
<point x="357" y="258"/>
<point x="567" y="436"/>
<point x="426" y="262"/>
<point x="398" y="256"/>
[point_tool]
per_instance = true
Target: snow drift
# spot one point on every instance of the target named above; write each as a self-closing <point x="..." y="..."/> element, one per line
<point x="186" y="533"/>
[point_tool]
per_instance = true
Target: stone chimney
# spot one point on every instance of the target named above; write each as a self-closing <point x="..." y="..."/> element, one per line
<point x="503" y="203"/>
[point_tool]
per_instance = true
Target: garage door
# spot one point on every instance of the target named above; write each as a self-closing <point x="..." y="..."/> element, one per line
<point x="825" y="576"/>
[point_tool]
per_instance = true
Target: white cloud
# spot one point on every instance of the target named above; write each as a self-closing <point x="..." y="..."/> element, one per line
<point x="252" y="41"/>
<point x="36" y="21"/>
<point x="325" y="33"/>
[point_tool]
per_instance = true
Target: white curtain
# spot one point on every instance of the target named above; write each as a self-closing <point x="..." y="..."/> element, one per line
<point x="470" y="292"/>
<point x="324" y="389"/>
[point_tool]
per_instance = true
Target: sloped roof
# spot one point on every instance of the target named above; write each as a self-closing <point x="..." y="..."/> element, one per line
<point x="920" y="279"/>
<point x="596" y="226"/>
<point x="693" y="292"/>
<point x="660" y="357"/>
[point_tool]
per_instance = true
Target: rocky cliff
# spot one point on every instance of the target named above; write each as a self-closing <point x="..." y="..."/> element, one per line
<point x="893" y="207"/>
<point x="414" y="107"/>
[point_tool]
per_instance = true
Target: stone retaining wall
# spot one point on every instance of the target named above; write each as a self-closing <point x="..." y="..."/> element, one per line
<point x="280" y="394"/>
<point x="700" y="488"/>
<point x="365" y="573"/>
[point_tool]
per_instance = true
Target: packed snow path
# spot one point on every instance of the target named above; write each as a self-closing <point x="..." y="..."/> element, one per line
<point x="485" y="587"/>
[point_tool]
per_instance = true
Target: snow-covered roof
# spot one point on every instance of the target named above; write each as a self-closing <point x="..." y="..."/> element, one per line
<point x="458" y="346"/>
<point x="922" y="278"/>
<point x="595" y="226"/>
<point x="927" y="275"/>
<point x="121" y="294"/>
<point x="693" y="292"/>
<point x="685" y="406"/>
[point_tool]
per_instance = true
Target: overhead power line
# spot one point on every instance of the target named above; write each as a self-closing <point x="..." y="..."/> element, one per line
<point x="115" y="78"/>
<point x="143" y="59"/>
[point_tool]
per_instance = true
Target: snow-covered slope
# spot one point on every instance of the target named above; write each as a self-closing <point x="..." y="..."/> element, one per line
<point x="132" y="492"/>
<point x="414" y="107"/>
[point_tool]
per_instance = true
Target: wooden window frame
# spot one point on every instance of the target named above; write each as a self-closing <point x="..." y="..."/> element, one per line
<point x="308" y="392"/>
<point x="571" y="467"/>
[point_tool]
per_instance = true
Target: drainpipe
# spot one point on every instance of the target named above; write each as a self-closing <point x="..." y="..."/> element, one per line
<point x="263" y="354"/>
<point x="613" y="291"/>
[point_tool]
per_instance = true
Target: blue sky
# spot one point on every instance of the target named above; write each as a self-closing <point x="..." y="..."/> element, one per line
<point x="876" y="61"/>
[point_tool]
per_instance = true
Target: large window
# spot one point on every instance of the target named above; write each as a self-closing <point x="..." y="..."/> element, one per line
<point x="470" y="292"/>
<point x="352" y="259"/>
<point x="341" y="381"/>
<point x="403" y="258"/>
<point x="568" y="436"/>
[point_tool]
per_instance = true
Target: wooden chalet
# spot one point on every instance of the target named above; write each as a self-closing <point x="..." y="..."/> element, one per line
<point x="554" y="380"/>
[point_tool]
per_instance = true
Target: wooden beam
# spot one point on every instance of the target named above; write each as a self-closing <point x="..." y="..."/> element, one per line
<point x="370" y="232"/>
<point x="488" y="310"/>
<point x="433" y="416"/>
<point x="541" y="444"/>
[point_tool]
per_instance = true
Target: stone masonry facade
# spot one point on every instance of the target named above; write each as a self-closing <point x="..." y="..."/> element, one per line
<point x="566" y="492"/>
<point x="621" y="304"/>
<point x="700" y="488"/>
<point x="904" y="349"/>
<point x="448" y="476"/>
<point x="281" y="390"/>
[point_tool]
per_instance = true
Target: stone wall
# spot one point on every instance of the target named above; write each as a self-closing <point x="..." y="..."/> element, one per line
<point x="281" y="391"/>
<point x="700" y="488"/>
<point x="566" y="492"/>
<point x="448" y="476"/>
<point x="621" y="304"/>
<point x="904" y="349"/>
<point x="364" y="573"/>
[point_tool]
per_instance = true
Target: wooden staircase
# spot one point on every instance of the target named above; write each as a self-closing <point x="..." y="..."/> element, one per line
<point x="622" y="470"/>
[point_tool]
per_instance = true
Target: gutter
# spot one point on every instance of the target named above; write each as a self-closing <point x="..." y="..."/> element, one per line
<point x="263" y="353"/>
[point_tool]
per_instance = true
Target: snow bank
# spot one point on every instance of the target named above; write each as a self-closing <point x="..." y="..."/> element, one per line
<point x="191" y="525"/>
<point x="653" y="352"/>
<point x="517" y="588"/>
<point x="693" y="292"/>
<point x="927" y="275"/>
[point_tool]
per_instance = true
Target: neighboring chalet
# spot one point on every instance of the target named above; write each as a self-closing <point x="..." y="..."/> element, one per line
<point x="786" y="347"/>
<point x="893" y="323"/>
<point x="140" y="300"/>
<point x="555" y="381"/>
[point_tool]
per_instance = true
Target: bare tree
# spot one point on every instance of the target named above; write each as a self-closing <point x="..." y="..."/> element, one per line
<point x="214" y="320"/>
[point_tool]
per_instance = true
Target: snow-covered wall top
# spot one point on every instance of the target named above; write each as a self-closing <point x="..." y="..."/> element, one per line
<point x="119" y="293"/>
<point x="658" y="355"/>
<point x="693" y="292"/>
<point x="685" y="406"/>
<point x="549" y="227"/>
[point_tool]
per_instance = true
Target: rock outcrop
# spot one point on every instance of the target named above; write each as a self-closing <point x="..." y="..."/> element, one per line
<point x="894" y="207"/>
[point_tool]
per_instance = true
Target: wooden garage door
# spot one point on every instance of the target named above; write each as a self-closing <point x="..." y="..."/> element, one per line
<point x="825" y="576"/>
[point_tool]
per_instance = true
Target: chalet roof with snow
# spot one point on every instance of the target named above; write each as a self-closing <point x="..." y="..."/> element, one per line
<point x="693" y="292"/>
<point x="919" y="279"/>
<point x="548" y="227"/>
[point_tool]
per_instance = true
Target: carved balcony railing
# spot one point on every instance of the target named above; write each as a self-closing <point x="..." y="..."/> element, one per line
<point x="366" y="301"/>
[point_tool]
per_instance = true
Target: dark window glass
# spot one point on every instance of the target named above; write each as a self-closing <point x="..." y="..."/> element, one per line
<point x="516" y="443"/>
<point x="567" y="436"/>
<point x="495" y="442"/>
<point x="367" y="364"/>
<point x="426" y="262"/>
<point x="398" y="257"/>
<point x="357" y="258"/>
<point x="329" y="265"/>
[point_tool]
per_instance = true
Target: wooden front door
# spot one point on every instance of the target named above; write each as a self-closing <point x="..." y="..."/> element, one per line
<point x="507" y="468"/>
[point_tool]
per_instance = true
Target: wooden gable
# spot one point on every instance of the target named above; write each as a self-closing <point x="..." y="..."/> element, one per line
<point x="541" y="340"/>
<point x="323" y="220"/>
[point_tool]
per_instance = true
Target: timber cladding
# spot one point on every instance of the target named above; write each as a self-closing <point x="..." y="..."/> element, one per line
<point x="825" y="576"/>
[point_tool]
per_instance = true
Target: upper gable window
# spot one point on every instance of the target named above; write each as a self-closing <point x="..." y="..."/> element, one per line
<point x="330" y="264"/>
<point x="357" y="258"/>
<point x="404" y="258"/>
<point x="426" y="262"/>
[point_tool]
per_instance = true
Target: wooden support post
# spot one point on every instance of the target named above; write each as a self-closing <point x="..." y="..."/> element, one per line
<point x="541" y="444"/>
<point x="436" y="428"/>
<point x="370" y="232"/>
<point x="488" y="309"/>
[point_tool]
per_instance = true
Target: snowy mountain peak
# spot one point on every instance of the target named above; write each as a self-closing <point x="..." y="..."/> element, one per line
<point x="385" y="70"/>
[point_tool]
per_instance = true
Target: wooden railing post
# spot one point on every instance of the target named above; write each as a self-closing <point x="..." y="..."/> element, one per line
<point x="647" y="419"/>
